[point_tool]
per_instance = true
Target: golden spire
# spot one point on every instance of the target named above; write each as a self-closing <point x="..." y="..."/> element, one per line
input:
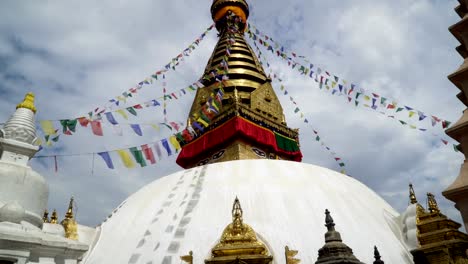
<point x="28" y="102"/>
<point x="45" y="217"/>
<point x="54" y="217"/>
<point x="69" y="214"/>
<point x="238" y="242"/>
<point x="188" y="258"/>
<point x="432" y="204"/>
<point x="412" y="195"/>
<point x="290" y="254"/>
<point x="69" y="223"/>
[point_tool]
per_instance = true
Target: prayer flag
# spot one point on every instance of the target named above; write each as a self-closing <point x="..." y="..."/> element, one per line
<point x="158" y="150"/>
<point x="445" y="124"/>
<point x="175" y="125"/>
<point x="148" y="153"/>
<point x="107" y="159"/>
<point x="83" y="121"/>
<point x="131" y="110"/>
<point x="122" y="113"/>
<point x="166" y="146"/>
<point x="136" y="128"/>
<point x="48" y="127"/>
<point x="96" y="128"/>
<point x="138" y="156"/>
<point x="175" y="143"/>
<point x="126" y="159"/>
<point x="111" y="118"/>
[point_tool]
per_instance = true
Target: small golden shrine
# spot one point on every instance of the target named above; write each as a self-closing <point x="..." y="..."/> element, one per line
<point x="239" y="243"/>
<point x="439" y="239"/>
<point x="69" y="223"/>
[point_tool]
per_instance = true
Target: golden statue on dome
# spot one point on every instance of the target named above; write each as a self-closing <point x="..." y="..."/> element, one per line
<point x="239" y="242"/>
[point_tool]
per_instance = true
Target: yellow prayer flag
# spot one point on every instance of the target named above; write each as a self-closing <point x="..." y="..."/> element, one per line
<point x="411" y="113"/>
<point x="156" y="127"/>
<point x="203" y="122"/>
<point x="126" y="159"/>
<point x="48" y="127"/>
<point x="333" y="84"/>
<point x="413" y="126"/>
<point x="175" y="143"/>
<point x="366" y="97"/>
<point x="121" y="98"/>
<point x="122" y="113"/>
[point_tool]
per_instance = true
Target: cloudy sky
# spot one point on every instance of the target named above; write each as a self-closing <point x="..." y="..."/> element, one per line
<point x="77" y="55"/>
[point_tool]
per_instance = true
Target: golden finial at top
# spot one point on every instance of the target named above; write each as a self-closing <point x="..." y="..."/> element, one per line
<point x="45" y="216"/>
<point x="69" y="214"/>
<point x="219" y="8"/>
<point x="412" y="195"/>
<point x="432" y="204"/>
<point x="69" y="223"/>
<point x="28" y="102"/>
<point x="54" y="217"/>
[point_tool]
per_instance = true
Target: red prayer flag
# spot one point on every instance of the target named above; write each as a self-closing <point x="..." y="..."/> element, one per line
<point x="83" y="121"/>
<point x="390" y="106"/>
<point x="138" y="106"/>
<point x="444" y="141"/>
<point x="96" y="127"/>
<point x="148" y="153"/>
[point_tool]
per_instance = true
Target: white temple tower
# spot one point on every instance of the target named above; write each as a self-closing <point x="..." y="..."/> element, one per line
<point x="24" y="237"/>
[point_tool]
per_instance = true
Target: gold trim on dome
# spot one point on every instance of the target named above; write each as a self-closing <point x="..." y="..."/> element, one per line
<point x="187" y="258"/>
<point x="239" y="242"/>
<point x="28" y="103"/>
<point x="290" y="254"/>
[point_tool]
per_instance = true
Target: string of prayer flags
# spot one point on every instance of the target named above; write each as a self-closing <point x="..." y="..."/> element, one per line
<point x="297" y="110"/>
<point x="149" y="80"/>
<point x="69" y="126"/>
<point x="330" y="81"/>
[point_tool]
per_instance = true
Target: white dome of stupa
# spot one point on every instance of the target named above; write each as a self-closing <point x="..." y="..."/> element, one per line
<point x="283" y="201"/>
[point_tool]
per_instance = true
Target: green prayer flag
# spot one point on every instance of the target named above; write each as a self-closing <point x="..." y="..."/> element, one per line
<point x="341" y="164"/>
<point x="138" y="156"/>
<point x="131" y="110"/>
<point x="317" y="138"/>
<point x="399" y="109"/>
<point x="356" y="103"/>
<point x="402" y="122"/>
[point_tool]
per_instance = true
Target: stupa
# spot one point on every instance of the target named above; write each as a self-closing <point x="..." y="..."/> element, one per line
<point x="246" y="150"/>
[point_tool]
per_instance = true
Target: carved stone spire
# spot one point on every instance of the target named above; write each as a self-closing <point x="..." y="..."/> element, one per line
<point x="45" y="217"/>
<point x="432" y="204"/>
<point x="54" y="217"/>
<point x="334" y="250"/>
<point x="412" y="195"/>
<point x="69" y="223"/>
<point x="377" y="256"/>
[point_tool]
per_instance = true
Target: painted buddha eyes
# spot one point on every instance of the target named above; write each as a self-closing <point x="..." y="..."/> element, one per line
<point x="259" y="152"/>
<point x="218" y="155"/>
